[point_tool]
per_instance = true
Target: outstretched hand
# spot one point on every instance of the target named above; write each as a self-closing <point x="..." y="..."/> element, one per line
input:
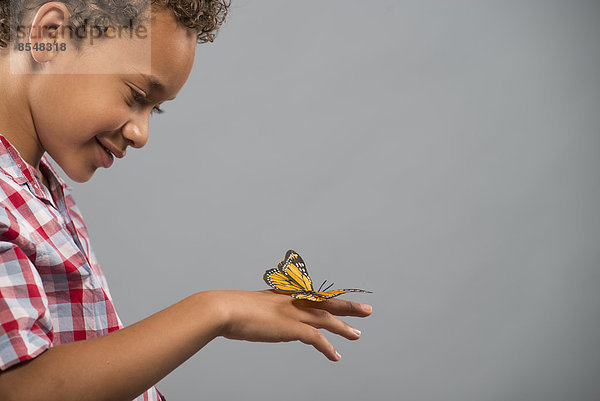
<point x="268" y="316"/>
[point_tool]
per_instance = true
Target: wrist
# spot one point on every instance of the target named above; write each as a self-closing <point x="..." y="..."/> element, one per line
<point x="214" y="304"/>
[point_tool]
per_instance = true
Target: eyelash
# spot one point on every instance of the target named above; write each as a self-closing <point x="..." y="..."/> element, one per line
<point x="140" y="99"/>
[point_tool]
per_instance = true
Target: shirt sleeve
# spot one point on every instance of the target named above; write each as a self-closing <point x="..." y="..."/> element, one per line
<point x="25" y="323"/>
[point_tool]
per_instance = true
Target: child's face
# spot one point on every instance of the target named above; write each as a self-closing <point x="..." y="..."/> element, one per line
<point x="71" y="110"/>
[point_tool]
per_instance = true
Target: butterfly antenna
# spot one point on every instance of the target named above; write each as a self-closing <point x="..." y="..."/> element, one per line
<point x="328" y="287"/>
<point x="319" y="290"/>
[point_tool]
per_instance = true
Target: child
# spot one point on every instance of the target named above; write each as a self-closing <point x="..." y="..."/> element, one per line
<point x="60" y="337"/>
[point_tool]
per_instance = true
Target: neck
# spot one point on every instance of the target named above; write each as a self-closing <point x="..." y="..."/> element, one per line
<point x="16" y="120"/>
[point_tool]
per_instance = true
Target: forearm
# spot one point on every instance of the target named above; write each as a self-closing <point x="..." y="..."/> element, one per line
<point x="119" y="365"/>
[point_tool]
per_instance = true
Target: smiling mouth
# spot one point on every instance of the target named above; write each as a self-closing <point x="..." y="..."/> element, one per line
<point x="110" y="152"/>
<point x="108" y="158"/>
<point x="107" y="151"/>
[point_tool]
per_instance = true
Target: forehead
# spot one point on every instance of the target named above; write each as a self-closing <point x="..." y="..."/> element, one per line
<point x="161" y="53"/>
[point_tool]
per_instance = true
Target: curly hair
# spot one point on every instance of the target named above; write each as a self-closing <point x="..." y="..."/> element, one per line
<point x="203" y="16"/>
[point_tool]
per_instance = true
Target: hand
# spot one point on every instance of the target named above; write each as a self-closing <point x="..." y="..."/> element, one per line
<point x="268" y="316"/>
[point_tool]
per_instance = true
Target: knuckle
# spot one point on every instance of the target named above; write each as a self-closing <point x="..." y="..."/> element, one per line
<point x="322" y="314"/>
<point x="352" y="306"/>
<point x="316" y="335"/>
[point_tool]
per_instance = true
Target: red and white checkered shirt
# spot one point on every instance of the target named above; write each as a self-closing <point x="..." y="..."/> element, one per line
<point x="52" y="289"/>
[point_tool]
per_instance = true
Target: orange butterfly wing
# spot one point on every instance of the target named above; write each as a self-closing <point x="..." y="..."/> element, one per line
<point x="279" y="281"/>
<point x="294" y="268"/>
<point x="291" y="276"/>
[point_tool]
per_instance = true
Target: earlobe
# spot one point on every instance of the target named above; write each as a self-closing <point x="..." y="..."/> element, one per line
<point x="50" y="20"/>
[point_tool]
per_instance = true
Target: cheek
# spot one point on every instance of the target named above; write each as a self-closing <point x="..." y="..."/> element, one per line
<point x="67" y="114"/>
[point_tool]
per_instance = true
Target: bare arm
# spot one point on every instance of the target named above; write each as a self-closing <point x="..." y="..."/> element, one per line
<point x="123" y="364"/>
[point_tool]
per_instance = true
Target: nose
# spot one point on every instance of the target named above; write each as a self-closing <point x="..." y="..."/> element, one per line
<point x="136" y="132"/>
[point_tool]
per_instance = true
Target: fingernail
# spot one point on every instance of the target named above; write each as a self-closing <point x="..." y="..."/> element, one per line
<point x="367" y="308"/>
<point x="356" y="331"/>
<point x="338" y="355"/>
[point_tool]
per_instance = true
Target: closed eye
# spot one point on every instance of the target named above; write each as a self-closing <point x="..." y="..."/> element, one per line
<point x="140" y="99"/>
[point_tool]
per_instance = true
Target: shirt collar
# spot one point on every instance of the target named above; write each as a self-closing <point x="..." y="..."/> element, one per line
<point x="22" y="172"/>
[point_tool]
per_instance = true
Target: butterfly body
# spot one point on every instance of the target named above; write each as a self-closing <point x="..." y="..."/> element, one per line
<point x="291" y="277"/>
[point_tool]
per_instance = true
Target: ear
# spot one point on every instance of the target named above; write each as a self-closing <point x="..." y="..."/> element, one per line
<point x="47" y="27"/>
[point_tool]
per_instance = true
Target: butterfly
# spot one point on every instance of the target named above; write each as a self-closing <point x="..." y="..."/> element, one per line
<point x="291" y="277"/>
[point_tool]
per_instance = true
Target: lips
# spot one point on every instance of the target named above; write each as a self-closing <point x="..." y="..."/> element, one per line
<point x="110" y="148"/>
<point x="106" y="158"/>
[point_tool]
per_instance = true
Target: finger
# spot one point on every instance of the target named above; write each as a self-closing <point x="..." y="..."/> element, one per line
<point x="339" y="307"/>
<point x="312" y="336"/>
<point x="322" y="319"/>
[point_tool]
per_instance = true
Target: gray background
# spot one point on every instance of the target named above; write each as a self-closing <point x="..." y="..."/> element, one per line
<point x="444" y="154"/>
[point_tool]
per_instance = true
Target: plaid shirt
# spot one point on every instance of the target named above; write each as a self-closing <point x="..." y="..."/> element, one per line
<point x="52" y="289"/>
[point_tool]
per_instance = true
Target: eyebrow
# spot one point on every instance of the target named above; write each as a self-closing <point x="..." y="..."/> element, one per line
<point x="155" y="84"/>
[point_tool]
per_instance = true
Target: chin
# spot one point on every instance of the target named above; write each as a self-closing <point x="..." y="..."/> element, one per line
<point x="77" y="168"/>
<point x="78" y="174"/>
<point x="80" y="177"/>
